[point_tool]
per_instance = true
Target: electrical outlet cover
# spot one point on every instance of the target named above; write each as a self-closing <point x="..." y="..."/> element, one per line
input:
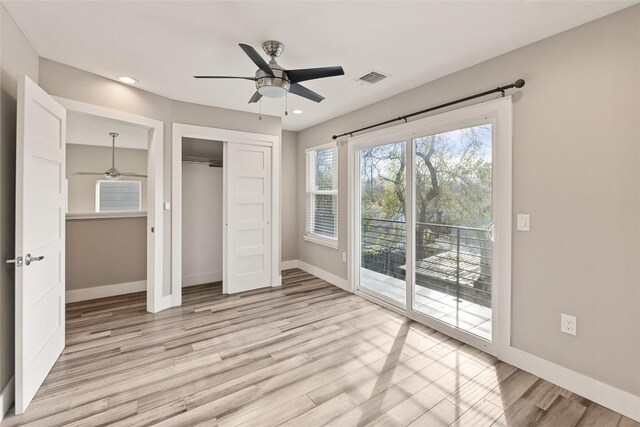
<point x="568" y="324"/>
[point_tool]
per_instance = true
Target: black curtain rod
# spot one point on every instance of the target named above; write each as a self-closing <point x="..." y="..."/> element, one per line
<point x="517" y="84"/>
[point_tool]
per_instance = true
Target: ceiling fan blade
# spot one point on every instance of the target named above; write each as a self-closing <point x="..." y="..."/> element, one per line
<point x="253" y="79"/>
<point x="305" y="93"/>
<point x="304" y="74"/>
<point x="255" y="98"/>
<point x="89" y="173"/>
<point x="133" y="174"/>
<point x="256" y="58"/>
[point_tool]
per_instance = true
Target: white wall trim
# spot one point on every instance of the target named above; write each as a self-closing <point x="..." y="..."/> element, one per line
<point x="104" y="291"/>
<point x="201" y="279"/>
<point x="604" y="394"/>
<point x="180" y="130"/>
<point x="320" y="240"/>
<point x="6" y="399"/>
<point x="156" y="301"/>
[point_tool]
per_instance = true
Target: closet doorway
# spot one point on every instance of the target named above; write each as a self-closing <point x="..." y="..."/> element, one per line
<point x="226" y="216"/>
<point x="202" y="223"/>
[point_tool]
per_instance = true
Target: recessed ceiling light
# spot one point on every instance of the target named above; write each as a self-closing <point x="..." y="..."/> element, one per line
<point x="297" y="111"/>
<point x="127" y="80"/>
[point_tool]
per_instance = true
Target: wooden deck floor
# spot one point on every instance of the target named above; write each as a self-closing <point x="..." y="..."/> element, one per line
<point x="302" y="355"/>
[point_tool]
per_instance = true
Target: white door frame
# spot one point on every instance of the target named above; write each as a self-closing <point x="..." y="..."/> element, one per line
<point x="497" y="112"/>
<point x="181" y="130"/>
<point x="156" y="301"/>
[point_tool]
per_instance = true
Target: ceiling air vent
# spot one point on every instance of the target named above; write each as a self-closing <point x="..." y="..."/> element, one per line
<point x="372" y="77"/>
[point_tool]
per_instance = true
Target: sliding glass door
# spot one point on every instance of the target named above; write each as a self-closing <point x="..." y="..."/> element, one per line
<point x="383" y="233"/>
<point x="453" y="205"/>
<point x="423" y="219"/>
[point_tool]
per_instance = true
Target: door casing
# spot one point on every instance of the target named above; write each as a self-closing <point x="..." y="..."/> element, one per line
<point x="156" y="300"/>
<point x="181" y="130"/>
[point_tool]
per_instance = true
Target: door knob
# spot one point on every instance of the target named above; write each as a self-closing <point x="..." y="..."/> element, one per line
<point x="29" y="259"/>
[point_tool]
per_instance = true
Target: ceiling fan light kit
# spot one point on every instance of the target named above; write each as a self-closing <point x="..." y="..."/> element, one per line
<point x="274" y="81"/>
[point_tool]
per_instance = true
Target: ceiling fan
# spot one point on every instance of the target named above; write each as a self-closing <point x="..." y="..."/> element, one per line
<point x="113" y="172"/>
<point x="273" y="81"/>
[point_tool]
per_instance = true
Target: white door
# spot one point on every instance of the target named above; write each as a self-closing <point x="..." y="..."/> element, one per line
<point x="248" y="216"/>
<point x="40" y="228"/>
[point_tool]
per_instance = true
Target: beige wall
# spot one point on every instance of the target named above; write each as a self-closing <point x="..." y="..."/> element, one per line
<point x="81" y="194"/>
<point x="17" y="57"/>
<point x="289" y="198"/>
<point x="576" y="152"/>
<point x="105" y="251"/>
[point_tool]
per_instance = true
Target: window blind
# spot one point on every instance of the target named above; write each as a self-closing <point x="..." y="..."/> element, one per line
<point x="322" y="192"/>
<point x="118" y="196"/>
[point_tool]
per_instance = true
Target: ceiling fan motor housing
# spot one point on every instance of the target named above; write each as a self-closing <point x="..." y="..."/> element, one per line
<point x="112" y="173"/>
<point x="275" y="86"/>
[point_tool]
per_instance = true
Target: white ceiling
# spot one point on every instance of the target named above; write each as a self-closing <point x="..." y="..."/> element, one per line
<point x="163" y="44"/>
<point x="92" y="130"/>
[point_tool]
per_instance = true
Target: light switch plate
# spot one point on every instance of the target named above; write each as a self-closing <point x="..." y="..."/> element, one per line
<point x="167" y="206"/>
<point x="344" y="257"/>
<point x="523" y="222"/>
<point x="568" y="324"/>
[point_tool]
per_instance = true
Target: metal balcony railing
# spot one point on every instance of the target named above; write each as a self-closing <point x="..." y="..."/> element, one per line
<point x="449" y="259"/>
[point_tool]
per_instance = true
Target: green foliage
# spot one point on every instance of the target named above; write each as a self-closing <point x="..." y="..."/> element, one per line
<point x="453" y="179"/>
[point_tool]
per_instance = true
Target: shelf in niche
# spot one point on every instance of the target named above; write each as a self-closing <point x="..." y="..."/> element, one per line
<point x="104" y="215"/>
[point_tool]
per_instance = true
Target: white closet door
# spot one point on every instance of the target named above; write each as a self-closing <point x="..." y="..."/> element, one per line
<point x="40" y="226"/>
<point x="248" y="216"/>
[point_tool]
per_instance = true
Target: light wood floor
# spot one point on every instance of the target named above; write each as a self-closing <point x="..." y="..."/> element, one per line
<point x="302" y="355"/>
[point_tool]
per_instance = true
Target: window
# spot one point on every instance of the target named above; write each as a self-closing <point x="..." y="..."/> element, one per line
<point x="322" y="195"/>
<point x="118" y="196"/>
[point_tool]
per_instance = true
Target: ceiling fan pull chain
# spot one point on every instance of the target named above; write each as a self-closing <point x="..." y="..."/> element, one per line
<point x="286" y="104"/>
<point x="260" y="116"/>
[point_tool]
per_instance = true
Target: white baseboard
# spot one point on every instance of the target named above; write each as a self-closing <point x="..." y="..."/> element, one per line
<point x="6" y="399"/>
<point x="606" y="395"/>
<point x="76" y="295"/>
<point x="200" y="279"/>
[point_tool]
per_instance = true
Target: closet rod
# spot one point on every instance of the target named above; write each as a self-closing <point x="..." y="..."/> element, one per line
<point x="517" y="84"/>
<point x="212" y="163"/>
